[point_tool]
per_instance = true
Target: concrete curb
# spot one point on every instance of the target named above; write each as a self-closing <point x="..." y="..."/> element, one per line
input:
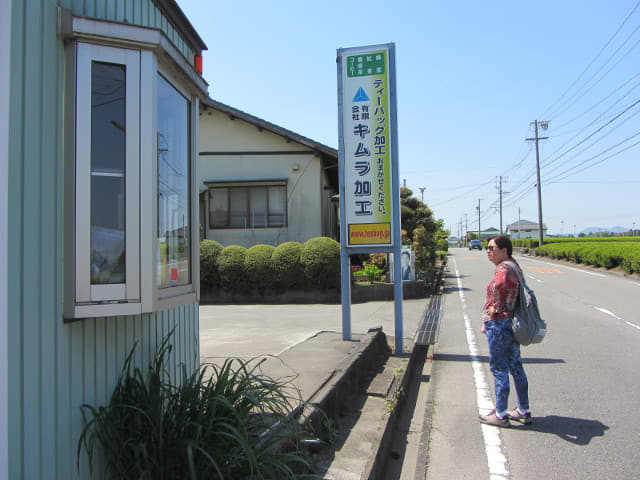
<point x="374" y="468"/>
<point x="345" y="382"/>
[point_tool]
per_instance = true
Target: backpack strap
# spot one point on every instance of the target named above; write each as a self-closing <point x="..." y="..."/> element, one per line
<point x="520" y="277"/>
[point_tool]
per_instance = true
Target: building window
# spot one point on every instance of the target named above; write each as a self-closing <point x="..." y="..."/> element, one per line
<point x="174" y="194"/>
<point x="108" y="160"/>
<point x="248" y="205"/>
<point x="107" y="178"/>
<point x="134" y="235"/>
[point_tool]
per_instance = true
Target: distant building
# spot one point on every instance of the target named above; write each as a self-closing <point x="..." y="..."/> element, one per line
<point x="525" y="229"/>
<point x="261" y="183"/>
<point x="485" y="234"/>
<point x="488" y="233"/>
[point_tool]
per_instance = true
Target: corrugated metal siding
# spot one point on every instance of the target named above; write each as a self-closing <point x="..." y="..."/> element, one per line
<point x="135" y="12"/>
<point x="55" y="367"/>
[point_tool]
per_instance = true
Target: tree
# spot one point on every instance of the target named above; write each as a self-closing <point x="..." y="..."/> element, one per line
<point x="420" y="229"/>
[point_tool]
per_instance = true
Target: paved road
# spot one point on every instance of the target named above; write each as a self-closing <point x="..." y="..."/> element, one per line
<point x="288" y="335"/>
<point x="584" y="381"/>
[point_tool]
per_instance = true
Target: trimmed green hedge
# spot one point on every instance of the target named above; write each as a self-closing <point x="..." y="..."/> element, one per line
<point x="590" y="239"/>
<point x="231" y="268"/>
<point x="525" y="243"/>
<point x="259" y="267"/>
<point x="596" y="252"/>
<point x="288" y="271"/>
<point x="262" y="268"/>
<point x="320" y="259"/>
<point x="209" y="251"/>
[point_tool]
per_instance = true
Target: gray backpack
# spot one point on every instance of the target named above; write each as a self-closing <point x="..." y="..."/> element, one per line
<point x="528" y="326"/>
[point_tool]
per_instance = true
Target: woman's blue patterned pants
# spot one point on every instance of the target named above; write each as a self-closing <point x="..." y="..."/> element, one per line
<point x="504" y="358"/>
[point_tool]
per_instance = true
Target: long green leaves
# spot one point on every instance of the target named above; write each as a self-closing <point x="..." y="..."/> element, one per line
<point x="220" y="422"/>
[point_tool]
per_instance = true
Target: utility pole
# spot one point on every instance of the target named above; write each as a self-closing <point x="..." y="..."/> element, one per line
<point x="422" y="189"/>
<point x="500" y="201"/>
<point x="519" y="231"/>
<point x="478" y="208"/>
<point x="466" y="229"/>
<point x="544" y="126"/>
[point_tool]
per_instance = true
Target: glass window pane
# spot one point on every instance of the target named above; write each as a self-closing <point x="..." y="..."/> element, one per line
<point x="239" y="204"/>
<point x="258" y="207"/>
<point x="107" y="230"/>
<point x="219" y="207"/>
<point x="107" y="117"/>
<point x="107" y="173"/>
<point x="277" y="206"/>
<point x="174" y="199"/>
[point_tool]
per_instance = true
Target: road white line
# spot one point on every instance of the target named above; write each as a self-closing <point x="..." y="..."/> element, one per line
<point x="496" y="459"/>
<point x="608" y="312"/>
<point x="611" y="314"/>
<point x="595" y="274"/>
<point x="534" y="278"/>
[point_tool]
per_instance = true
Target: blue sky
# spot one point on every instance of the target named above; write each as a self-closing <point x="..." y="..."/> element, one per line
<point x="471" y="77"/>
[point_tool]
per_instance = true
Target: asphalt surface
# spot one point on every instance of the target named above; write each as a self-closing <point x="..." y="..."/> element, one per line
<point x="583" y="378"/>
<point x="300" y="342"/>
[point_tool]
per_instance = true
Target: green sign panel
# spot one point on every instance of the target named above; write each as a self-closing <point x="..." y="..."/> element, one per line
<point x="366" y="64"/>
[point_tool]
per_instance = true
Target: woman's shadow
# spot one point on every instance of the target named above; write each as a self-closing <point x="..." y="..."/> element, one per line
<point x="575" y="430"/>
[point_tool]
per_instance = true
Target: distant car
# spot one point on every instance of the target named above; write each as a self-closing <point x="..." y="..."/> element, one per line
<point x="475" y="244"/>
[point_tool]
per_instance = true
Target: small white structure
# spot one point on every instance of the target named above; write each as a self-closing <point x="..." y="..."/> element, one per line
<point x="525" y="229"/>
<point x="261" y="183"/>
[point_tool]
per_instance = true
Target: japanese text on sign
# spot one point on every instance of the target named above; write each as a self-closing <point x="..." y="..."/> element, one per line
<point x="367" y="142"/>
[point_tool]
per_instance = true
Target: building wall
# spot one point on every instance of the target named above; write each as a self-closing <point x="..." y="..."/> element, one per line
<point x="306" y="202"/>
<point x="5" y="29"/>
<point x="135" y="12"/>
<point x="54" y="367"/>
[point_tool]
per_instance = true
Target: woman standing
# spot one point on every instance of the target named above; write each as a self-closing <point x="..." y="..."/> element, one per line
<point x="504" y="352"/>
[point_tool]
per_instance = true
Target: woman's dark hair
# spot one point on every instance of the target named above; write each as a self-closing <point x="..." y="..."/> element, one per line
<point x="502" y="241"/>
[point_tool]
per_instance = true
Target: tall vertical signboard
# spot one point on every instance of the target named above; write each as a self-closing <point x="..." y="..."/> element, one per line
<point x="368" y="157"/>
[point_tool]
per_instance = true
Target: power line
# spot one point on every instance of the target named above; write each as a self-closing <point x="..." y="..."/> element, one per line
<point x="546" y="112"/>
<point x="602" y="77"/>
<point x="617" y="116"/>
<point x="567" y="173"/>
<point x="599" y="103"/>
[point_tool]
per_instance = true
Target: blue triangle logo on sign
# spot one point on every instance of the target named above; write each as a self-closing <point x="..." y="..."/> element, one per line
<point x="361" y="96"/>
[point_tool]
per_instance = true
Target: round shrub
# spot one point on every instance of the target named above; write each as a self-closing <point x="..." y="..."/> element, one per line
<point x="209" y="251"/>
<point x="259" y="268"/>
<point x="288" y="271"/>
<point x="320" y="260"/>
<point x="231" y="266"/>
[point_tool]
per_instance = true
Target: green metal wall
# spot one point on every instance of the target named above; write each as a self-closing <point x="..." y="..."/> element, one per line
<point x="135" y="12"/>
<point x="53" y="367"/>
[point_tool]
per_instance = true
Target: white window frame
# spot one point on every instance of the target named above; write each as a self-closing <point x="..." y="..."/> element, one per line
<point x="167" y="297"/>
<point x="146" y="55"/>
<point x="130" y="59"/>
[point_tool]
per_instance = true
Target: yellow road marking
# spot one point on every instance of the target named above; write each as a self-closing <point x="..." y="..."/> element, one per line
<point x="547" y="270"/>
